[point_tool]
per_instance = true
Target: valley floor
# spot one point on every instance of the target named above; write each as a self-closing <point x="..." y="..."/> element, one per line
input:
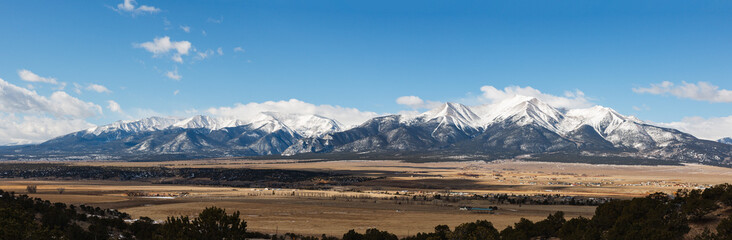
<point x="372" y="204"/>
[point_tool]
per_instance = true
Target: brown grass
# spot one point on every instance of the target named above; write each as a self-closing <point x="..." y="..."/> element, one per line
<point x="320" y="213"/>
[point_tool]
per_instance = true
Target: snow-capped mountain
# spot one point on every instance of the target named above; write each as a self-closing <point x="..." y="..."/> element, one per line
<point x="727" y="140"/>
<point x="198" y="136"/>
<point x="305" y="125"/>
<point x="146" y="124"/>
<point x="521" y="110"/>
<point x="454" y="114"/>
<point x="518" y="126"/>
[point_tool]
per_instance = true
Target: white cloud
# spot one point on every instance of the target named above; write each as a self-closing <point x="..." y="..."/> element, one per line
<point x="98" y="88"/>
<point x="173" y="75"/>
<point x="29" y="76"/>
<point x="203" y="55"/>
<point x="163" y="45"/>
<point x="220" y="51"/>
<point x="185" y="28"/>
<point x="415" y="102"/>
<point x="239" y="49"/>
<point x="706" y="128"/>
<point x="176" y="92"/>
<point x="114" y="106"/>
<point x="34" y="129"/>
<point x="15" y="99"/>
<point x="128" y="6"/>
<point x="570" y="100"/>
<point x="701" y="91"/>
<point x="347" y="116"/>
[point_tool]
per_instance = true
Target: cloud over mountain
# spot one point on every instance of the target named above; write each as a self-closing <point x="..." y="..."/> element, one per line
<point x="347" y="116"/>
<point x="701" y="91"/>
<point x="570" y="100"/>
<point x="15" y="99"/>
<point x="706" y="128"/>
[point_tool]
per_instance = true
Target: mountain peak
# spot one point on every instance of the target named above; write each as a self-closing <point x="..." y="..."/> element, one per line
<point x="308" y="125"/>
<point x="201" y="121"/>
<point x="727" y="140"/>
<point x="522" y="110"/>
<point x="455" y="110"/>
<point x="603" y="119"/>
<point x="456" y="114"/>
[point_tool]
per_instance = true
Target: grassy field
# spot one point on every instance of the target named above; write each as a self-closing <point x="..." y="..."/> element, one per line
<point x="368" y="204"/>
<point x="282" y="212"/>
<point x="623" y="181"/>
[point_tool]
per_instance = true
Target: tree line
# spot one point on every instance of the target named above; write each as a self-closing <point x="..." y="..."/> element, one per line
<point x="656" y="216"/>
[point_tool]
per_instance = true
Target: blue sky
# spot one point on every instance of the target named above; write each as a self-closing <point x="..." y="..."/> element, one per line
<point x="360" y="56"/>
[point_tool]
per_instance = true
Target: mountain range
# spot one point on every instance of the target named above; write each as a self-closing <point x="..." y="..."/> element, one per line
<point x="523" y="127"/>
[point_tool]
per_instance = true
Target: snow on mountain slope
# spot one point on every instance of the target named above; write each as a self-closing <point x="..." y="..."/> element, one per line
<point x="200" y="121"/>
<point x="603" y="120"/>
<point x="453" y="121"/>
<point x="267" y="123"/>
<point x="145" y="124"/>
<point x="452" y="113"/>
<point x="726" y="140"/>
<point x="305" y="125"/>
<point x="619" y="129"/>
<point x="521" y="110"/>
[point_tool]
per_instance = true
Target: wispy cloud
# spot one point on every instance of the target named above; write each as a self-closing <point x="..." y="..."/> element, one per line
<point x="129" y="6"/>
<point x="641" y="108"/>
<point x="185" y="28"/>
<point x="201" y="55"/>
<point x="98" y="88"/>
<point x="163" y="45"/>
<point x="77" y="88"/>
<point x="415" y="102"/>
<point x="570" y="100"/>
<point x="348" y="116"/>
<point x="173" y="74"/>
<point x="114" y="106"/>
<point x="701" y="91"/>
<point x="218" y="20"/>
<point x="707" y="128"/>
<point x="29" y="76"/>
<point x="239" y="49"/>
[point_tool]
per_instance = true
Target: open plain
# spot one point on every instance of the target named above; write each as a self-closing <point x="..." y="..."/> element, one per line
<point x="395" y="199"/>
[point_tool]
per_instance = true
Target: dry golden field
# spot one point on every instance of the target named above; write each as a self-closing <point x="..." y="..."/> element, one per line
<point x="498" y="176"/>
<point x="365" y="205"/>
